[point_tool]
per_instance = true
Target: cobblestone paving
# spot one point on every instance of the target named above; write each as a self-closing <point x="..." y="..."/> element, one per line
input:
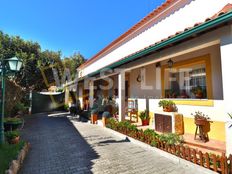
<point x="59" y="147"/>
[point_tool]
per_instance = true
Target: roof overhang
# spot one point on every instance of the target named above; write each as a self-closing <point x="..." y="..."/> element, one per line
<point x="206" y="26"/>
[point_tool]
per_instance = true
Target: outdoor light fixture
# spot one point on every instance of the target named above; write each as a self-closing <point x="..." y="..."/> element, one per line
<point x="141" y="75"/>
<point x="7" y="66"/>
<point x="138" y="79"/>
<point x="15" y="64"/>
<point x="170" y="63"/>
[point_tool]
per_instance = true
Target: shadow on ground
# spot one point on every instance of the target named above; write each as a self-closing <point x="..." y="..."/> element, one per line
<point x="56" y="146"/>
<point x="107" y="142"/>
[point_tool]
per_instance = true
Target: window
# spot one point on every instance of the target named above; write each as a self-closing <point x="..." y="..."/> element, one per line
<point x="190" y="79"/>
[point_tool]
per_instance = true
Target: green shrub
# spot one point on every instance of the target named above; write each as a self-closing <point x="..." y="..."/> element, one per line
<point x="132" y="127"/>
<point x="154" y="143"/>
<point x="166" y="103"/>
<point x="148" y="135"/>
<point x="12" y="123"/>
<point x="20" y="107"/>
<point x="9" y="152"/>
<point x="144" y="115"/>
<point x="11" y="134"/>
<point x="123" y="125"/>
<point x="10" y="120"/>
<point x="151" y="133"/>
<point x="66" y="107"/>
<point x="171" y="138"/>
<point x="111" y="123"/>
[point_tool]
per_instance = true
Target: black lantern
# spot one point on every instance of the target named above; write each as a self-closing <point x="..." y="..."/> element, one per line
<point x="170" y="63"/>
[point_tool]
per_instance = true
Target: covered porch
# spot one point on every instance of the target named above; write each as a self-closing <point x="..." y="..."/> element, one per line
<point x="198" y="64"/>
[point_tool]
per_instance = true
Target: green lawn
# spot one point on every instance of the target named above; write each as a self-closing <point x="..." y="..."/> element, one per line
<point x="7" y="154"/>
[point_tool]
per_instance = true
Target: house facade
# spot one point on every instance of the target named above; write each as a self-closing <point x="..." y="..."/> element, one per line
<point x="181" y="52"/>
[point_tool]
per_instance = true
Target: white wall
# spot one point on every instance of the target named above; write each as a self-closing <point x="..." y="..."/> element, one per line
<point x="147" y="89"/>
<point x="194" y="12"/>
<point x="226" y="47"/>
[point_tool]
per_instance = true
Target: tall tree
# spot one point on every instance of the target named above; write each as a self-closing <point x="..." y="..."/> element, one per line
<point x="73" y="62"/>
<point x="34" y="60"/>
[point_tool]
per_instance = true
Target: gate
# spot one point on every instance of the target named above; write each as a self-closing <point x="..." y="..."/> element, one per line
<point x="47" y="102"/>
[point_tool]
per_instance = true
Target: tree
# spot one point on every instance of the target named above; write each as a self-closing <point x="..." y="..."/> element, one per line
<point x="36" y="64"/>
<point x="37" y="70"/>
<point x="73" y="62"/>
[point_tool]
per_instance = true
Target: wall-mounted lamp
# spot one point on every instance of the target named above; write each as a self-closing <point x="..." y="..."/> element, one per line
<point x="139" y="78"/>
<point x="170" y="63"/>
<point x="141" y="75"/>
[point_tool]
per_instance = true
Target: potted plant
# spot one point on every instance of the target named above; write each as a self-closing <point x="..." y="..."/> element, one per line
<point x="12" y="137"/>
<point x="105" y="116"/>
<point x="12" y="123"/>
<point x="94" y="116"/>
<point x="169" y="93"/>
<point x="20" y="108"/>
<point x="168" y="105"/>
<point x="200" y="118"/>
<point x="198" y="92"/>
<point x="66" y="107"/>
<point x="144" y="116"/>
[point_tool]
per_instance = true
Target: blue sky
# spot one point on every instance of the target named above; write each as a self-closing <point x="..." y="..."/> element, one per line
<point x="85" y="26"/>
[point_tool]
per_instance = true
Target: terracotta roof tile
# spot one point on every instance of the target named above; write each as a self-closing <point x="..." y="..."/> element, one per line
<point x="224" y="10"/>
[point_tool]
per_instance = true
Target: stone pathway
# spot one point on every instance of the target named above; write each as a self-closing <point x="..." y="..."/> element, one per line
<point x="62" y="147"/>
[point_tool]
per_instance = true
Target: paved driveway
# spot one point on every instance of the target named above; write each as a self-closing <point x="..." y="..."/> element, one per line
<point x="60" y="147"/>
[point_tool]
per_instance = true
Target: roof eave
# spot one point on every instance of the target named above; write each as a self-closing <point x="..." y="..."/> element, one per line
<point x="177" y="38"/>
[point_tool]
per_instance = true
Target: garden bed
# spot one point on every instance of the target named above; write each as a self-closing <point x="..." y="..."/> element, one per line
<point x="172" y="143"/>
<point x="12" y="156"/>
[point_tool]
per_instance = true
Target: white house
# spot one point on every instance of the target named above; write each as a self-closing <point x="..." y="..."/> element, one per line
<point x="182" y="47"/>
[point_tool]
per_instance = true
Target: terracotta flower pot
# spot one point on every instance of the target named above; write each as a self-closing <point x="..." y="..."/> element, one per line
<point x="94" y="118"/>
<point x="145" y="122"/>
<point x="201" y="122"/>
<point x="14" y="140"/>
<point x="168" y="109"/>
<point x="199" y="95"/>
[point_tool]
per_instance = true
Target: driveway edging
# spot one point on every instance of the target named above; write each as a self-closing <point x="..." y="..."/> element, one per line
<point x="15" y="165"/>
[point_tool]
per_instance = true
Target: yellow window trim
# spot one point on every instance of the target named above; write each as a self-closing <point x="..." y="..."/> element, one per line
<point x="194" y="102"/>
<point x="205" y="59"/>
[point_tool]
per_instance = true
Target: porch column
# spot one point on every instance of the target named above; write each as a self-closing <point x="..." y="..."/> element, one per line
<point x="91" y="93"/>
<point x="66" y="93"/>
<point x="226" y="63"/>
<point x="121" y="95"/>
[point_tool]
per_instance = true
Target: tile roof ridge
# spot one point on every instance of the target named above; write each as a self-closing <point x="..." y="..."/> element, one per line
<point x="225" y="9"/>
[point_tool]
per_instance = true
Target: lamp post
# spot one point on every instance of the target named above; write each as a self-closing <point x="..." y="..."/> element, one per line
<point x="7" y="66"/>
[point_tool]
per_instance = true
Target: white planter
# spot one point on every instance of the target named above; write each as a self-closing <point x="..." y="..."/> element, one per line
<point x="228" y="138"/>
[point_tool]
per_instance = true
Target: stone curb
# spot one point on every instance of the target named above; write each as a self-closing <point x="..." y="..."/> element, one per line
<point x="174" y="158"/>
<point x="16" y="164"/>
